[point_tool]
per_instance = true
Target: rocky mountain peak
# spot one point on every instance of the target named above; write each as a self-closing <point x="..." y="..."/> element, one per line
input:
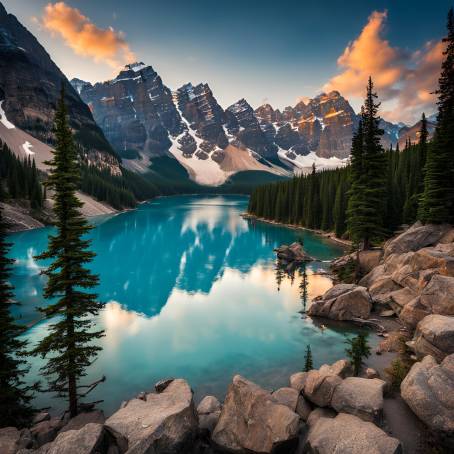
<point x="80" y="84"/>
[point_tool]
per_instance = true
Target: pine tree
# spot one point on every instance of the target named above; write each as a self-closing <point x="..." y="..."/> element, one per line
<point x="437" y="201"/>
<point x="357" y="349"/>
<point x="367" y="208"/>
<point x="68" y="346"/>
<point x="15" y="396"/>
<point x="308" y="363"/>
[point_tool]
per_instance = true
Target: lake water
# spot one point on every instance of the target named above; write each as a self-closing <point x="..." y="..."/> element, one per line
<point x="190" y="290"/>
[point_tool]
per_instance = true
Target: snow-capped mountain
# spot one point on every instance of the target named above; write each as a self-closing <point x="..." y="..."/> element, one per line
<point x="144" y="120"/>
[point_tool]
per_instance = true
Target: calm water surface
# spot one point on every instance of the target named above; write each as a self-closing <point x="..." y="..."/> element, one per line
<point x="190" y="290"/>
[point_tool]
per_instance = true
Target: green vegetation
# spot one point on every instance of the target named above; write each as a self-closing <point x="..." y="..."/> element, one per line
<point x="308" y="363"/>
<point x="437" y="201"/>
<point x="67" y="345"/>
<point x="357" y="350"/>
<point x="21" y="177"/>
<point x="15" y="397"/>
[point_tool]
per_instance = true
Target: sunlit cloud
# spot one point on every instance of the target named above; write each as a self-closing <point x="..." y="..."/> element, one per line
<point x="407" y="81"/>
<point x="84" y="37"/>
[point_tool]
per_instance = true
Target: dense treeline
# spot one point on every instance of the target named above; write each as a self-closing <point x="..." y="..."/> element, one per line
<point x="21" y="177"/>
<point x="118" y="191"/>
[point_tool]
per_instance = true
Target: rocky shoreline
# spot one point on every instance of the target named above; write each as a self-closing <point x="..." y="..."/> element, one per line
<point x="405" y="291"/>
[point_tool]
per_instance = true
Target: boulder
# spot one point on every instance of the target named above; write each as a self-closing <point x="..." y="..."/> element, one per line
<point x="427" y="389"/>
<point x="413" y="313"/>
<point x="374" y="276"/>
<point x="293" y="400"/>
<point x="253" y="421"/>
<point x="369" y="259"/>
<point x="209" y="411"/>
<point x="361" y="397"/>
<point x="46" y="431"/>
<point x="287" y="397"/>
<point x="86" y="440"/>
<point x="434" y="336"/>
<point x="342" y="303"/>
<point x="342" y="368"/>
<point x="415" y="238"/>
<point x="9" y="440"/>
<point x="440" y="257"/>
<point x="79" y="421"/>
<point x="319" y="387"/>
<point x="348" y="434"/>
<point x="292" y="253"/>
<point x="298" y="380"/>
<point x="438" y="295"/>
<point x="318" y="413"/>
<point x="396" y="262"/>
<point x="163" y="422"/>
<point x="400" y="298"/>
<point x="381" y="290"/>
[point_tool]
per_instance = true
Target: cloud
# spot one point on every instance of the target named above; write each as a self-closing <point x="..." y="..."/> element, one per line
<point x="84" y="37"/>
<point x="417" y="93"/>
<point x="405" y="81"/>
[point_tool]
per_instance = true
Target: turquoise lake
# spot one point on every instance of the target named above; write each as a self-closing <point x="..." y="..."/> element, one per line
<point x="190" y="290"/>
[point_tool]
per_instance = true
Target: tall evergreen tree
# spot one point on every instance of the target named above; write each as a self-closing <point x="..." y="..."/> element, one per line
<point x="437" y="201"/>
<point x="68" y="345"/>
<point x="15" y="396"/>
<point x="367" y="202"/>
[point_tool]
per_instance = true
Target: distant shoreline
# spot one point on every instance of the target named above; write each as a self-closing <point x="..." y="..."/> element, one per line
<point x="328" y="235"/>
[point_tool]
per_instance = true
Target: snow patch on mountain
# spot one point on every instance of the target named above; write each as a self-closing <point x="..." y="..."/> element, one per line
<point x="27" y="148"/>
<point x="3" y="118"/>
<point x="303" y="163"/>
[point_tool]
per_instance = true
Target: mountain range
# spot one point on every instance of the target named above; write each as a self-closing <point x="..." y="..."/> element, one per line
<point x="135" y="122"/>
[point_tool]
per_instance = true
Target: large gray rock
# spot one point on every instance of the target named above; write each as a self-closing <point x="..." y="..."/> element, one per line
<point x="79" y="421"/>
<point x="319" y="387"/>
<point x="440" y="257"/>
<point x="349" y="434"/>
<point x="375" y="275"/>
<point x="46" y="431"/>
<point x="343" y="302"/>
<point x="163" y="422"/>
<point x="438" y="295"/>
<point x="400" y="298"/>
<point x="253" y="421"/>
<point x="434" y="336"/>
<point x="413" y="312"/>
<point x="209" y="411"/>
<point x="294" y="400"/>
<point x="428" y="391"/>
<point x="86" y="440"/>
<point x="9" y="439"/>
<point x="298" y="380"/>
<point x="361" y="397"/>
<point x="416" y="237"/>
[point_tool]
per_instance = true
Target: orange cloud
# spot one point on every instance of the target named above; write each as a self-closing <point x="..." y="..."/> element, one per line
<point x="368" y="55"/>
<point x="84" y="37"/>
<point x="406" y="81"/>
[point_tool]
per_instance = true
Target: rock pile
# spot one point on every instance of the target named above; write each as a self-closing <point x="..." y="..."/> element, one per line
<point x="319" y="410"/>
<point x="292" y="254"/>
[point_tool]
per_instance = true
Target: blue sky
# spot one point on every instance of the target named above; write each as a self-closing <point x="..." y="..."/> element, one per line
<point x="262" y="51"/>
